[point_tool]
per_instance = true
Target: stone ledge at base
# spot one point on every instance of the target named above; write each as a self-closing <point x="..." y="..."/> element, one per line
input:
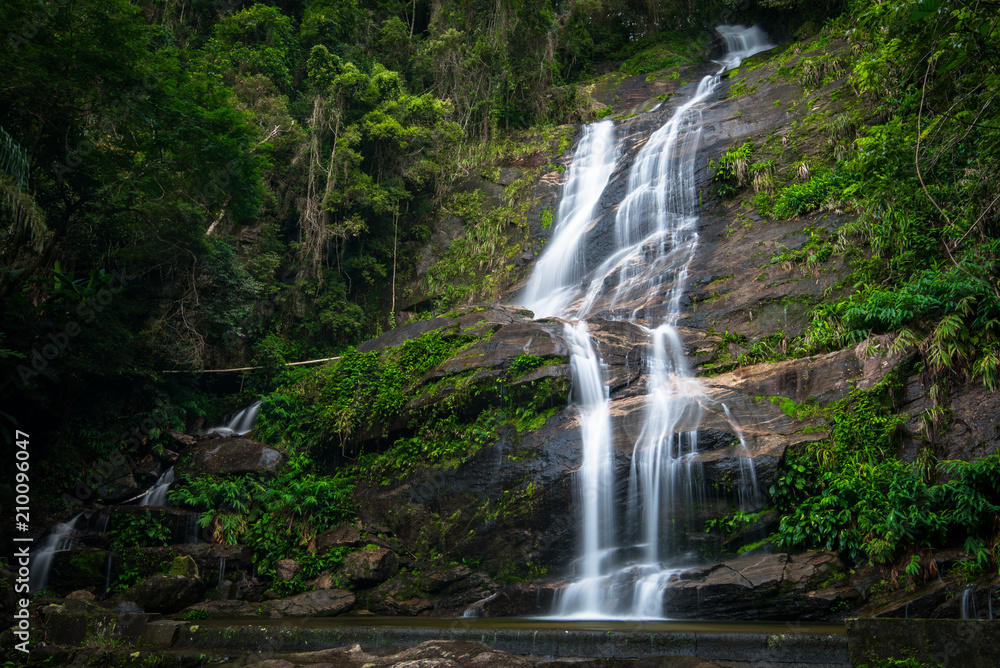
<point x="801" y="648"/>
<point x="970" y="643"/>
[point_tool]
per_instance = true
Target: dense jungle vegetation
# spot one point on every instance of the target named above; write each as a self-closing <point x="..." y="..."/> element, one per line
<point x="193" y="185"/>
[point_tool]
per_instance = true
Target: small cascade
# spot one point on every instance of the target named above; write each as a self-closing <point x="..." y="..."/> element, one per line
<point x="60" y="539"/>
<point x="107" y="574"/>
<point x="662" y="490"/>
<point x="191" y="533"/>
<point x="749" y="489"/>
<point x="969" y="602"/>
<point x="224" y="585"/>
<point x="157" y="494"/>
<point x="103" y="519"/>
<point x="239" y="423"/>
<point x="641" y="278"/>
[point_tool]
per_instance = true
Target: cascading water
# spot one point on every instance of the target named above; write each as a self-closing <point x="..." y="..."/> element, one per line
<point x="559" y="271"/>
<point x="749" y="488"/>
<point x="60" y="539"/>
<point x="642" y="279"/>
<point x="969" y="602"/>
<point x="239" y="424"/>
<point x="596" y="473"/>
<point x="157" y="494"/>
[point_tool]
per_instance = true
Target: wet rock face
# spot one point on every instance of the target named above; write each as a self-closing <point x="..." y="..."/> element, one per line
<point x="78" y="569"/>
<point x="512" y="504"/>
<point x="231" y="456"/>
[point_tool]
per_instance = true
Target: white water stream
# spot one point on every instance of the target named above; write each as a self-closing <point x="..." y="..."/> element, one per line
<point x="60" y="539"/>
<point x="642" y="278"/>
<point x="157" y="494"/>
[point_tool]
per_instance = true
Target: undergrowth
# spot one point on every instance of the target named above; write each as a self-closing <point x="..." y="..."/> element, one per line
<point x="850" y="492"/>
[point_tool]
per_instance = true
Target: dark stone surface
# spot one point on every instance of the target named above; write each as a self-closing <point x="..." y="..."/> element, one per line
<point x="932" y="642"/>
<point x="231" y="456"/>
<point x="817" y="646"/>
<point x="366" y="567"/>
<point x="78" y="569"/>
<point x="286" y="569"/>
<point x="166" y="593"/>
<point x="345" y="535"/>
<point x="319" y="603"/>
<point x="766" y="586"/>
<point x="429" y="654"/>
<point x="65" y="625"/>
<point x="436" y="591"/>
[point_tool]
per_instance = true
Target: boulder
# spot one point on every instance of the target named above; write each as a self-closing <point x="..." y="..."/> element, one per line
<point x="440" y="591"/>
<point x="320" y="603"/>
<point x="230" y="608"/>
<point x="184" y="565"/>
<point x="345" y="535"/>
<point x="183" y="439"/>
<point x="369" y="566"/>
<point x="766" y="586"/>
<point x="166" y="593"/>
<point x="322" y="581"/>
<point x="82" y="595"/>
<point x="520" y="599"/>
<point x="286" y="569"/>
<point x="148" y="469"/>
<point x="232" y="456"/>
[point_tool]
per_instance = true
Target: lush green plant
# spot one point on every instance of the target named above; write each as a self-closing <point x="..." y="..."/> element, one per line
<point x="138" y="530"/>
<point x="850" y="493"/>
<point x="133" y="532"/>
<point x="359" y="391"/>
<point x="278" y="518"/>
<point x="524" y="363"/>
<point x="800" y="198"/>
<point x="665" y="50"/>
<point x="732" y="170"/>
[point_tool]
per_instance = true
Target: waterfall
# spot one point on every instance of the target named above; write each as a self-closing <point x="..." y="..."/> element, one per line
<point x="641" y="278"/>
<point x="239" y="423"/>
<point x="561" y="267"/>
<point x="969" y="602"/>
<point x="157" y="494"/>
<point x="109" y="563"/>
<point x="596" y="475"/>
<point x="59" y="540"/>
<point x="224" y="585"/>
